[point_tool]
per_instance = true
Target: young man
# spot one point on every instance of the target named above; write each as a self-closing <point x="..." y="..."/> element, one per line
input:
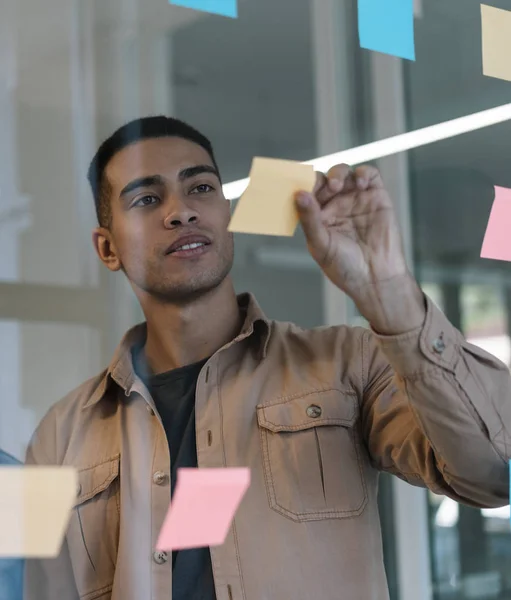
<point x="209" y="381"/>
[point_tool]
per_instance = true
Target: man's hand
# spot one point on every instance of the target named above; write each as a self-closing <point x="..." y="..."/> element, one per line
<point x="352" y="234"/>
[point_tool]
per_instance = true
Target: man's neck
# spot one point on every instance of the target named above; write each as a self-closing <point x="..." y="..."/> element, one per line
<point x="182" y="335"/>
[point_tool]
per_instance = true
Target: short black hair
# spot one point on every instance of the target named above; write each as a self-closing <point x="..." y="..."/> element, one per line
<point x="132" y="132"/>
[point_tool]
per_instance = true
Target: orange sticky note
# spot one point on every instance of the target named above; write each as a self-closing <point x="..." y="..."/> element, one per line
<point x="203" y="507"/>
<point x="497" y="241"/>
<point x="35" y="507"/>
<point x="268" y="205"/>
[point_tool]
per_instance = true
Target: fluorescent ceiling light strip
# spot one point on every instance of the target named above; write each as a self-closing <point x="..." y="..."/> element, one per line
<point x="398" y="143"/>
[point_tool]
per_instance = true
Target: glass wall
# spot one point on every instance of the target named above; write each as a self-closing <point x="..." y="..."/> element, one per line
<point x="452" y="194"/>
<point x="287" y="79"/>
<point x="255" y="98"/>
<point x="72" y="72"/>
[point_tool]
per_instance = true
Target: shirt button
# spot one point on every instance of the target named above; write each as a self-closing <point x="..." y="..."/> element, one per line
<point x="78" y="489"/>
<point x="314" y="411"/>
<point x="150" y="410"/>
<point x="159" y="478"/>
<point x="438" y="345"/>
<point x="160" y="558"/>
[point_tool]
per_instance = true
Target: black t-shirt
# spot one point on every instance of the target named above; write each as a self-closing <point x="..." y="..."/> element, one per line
<point x="174" y="396"/>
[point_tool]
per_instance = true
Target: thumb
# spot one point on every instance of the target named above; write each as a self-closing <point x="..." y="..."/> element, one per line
<point x="309" y="213"/>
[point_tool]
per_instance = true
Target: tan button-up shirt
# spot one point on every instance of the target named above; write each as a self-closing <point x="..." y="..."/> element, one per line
<point x="315" y="414"/>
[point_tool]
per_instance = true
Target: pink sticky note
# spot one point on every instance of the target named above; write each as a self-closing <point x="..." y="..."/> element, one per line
<point x="497" y="241"/>
<point x="203" y="507"/>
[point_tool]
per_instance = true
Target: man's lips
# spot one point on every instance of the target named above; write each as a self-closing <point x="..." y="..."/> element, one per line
<point x="188" y="239"/>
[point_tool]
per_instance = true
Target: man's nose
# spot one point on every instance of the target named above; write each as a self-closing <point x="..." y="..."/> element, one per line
<point x="180" y="214"/>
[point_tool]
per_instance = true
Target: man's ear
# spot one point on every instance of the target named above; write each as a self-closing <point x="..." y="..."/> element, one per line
<point x="105" y="248"/>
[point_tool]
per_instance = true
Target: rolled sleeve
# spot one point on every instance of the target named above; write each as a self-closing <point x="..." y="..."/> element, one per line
<point x="435" y="344"/>
<point x="451" y="411"/>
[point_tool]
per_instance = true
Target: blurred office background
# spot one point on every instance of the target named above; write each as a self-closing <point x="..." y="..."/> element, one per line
<point x="287" y="79"/>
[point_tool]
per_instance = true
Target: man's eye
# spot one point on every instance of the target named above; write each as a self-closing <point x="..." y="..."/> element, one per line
<point x="145" y="201"/>
<point x="203" y="188"/>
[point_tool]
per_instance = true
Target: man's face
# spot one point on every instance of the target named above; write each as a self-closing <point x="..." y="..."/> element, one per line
<point x="163" y="190"/>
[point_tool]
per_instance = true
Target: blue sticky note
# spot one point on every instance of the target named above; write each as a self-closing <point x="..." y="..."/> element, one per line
<point x="387" y="26"/>
<point x="226" y="8"/>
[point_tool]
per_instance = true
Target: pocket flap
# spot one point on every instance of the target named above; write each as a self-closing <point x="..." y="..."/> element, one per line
<point x="95" y="479"/>
<point x="327" y="407"/>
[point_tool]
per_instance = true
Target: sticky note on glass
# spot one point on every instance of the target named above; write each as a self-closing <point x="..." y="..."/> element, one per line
<point x="268" y="205"/>
<point x="226" y="8"/>
<point x="496" y="35"/>
<point x="35" y="506"/>
<point x="203" y="507"/>
<point x="497" y="241"/>
<point x="387" y="26"/>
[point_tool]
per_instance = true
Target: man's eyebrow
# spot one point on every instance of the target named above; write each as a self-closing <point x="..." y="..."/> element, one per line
<point x="190" y="172"/>
<point x="149" y="181"/>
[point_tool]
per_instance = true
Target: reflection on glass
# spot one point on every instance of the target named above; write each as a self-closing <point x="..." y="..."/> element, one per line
<point x="471" y="549"/>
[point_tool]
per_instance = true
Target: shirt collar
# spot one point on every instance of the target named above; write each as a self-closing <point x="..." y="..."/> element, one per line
<point x="255" y="321"/>
<point x="121" y="369"/>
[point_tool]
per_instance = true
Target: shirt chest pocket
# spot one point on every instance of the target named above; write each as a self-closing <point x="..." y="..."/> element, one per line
<point x="93" y="534"/>
<point x="312" y="456"/>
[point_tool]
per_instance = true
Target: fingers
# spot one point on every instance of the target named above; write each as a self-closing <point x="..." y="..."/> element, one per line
<point x="342" y="178"/>
<point x="309" y="212"/>
<point x="367" y="177"/>
<point x="338" y="179"/>
<point x="333" y="180"/>
<point x="338" y="176"/>
<point x="321" y="181"/>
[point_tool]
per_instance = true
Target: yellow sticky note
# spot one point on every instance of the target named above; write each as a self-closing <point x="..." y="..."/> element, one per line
<point x="496" y="25"/>
<point x="35" y="506"/>
<point x="268" y="205"/>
